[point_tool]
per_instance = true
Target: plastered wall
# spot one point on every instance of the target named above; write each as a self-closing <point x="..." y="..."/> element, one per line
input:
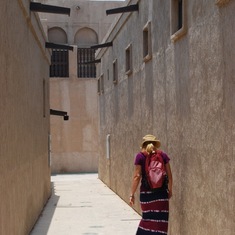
<point x="24" y="114"/>
<point x="184" y="95"/>
<point x="74" y="143"/>
<point x="83" y="14"/>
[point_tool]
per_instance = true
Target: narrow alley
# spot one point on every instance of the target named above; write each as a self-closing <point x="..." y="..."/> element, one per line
<point x="83" y="81"/>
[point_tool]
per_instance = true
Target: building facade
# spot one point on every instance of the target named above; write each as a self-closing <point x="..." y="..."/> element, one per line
<point x="24" y="128"/>
<point x="73" y="84"/>
<point x="170" y="72"/>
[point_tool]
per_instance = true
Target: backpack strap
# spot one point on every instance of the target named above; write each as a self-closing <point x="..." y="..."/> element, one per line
<point x="160" y="153"/>
<point x="146" y="161"/>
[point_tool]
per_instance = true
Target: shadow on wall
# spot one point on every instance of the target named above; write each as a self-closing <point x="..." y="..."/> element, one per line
<point x="44" y="220"/>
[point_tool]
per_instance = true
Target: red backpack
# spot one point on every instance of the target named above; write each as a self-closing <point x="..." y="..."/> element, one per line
<point x="155" y="170"/>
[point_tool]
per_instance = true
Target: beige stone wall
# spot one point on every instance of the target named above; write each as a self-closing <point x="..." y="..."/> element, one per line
<point x="74" y="144"/>
<point x="90" y="14"/>
<point x="24" y="114"/>
<point x="184" y="95"/>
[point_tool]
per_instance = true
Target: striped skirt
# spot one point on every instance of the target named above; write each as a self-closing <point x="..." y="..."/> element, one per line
<point x="155" y="213"/>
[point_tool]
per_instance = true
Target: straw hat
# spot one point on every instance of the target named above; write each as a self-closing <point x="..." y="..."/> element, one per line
<point x="151" y="138"/>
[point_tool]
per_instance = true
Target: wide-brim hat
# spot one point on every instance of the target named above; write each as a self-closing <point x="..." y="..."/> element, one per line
<point x="151" y="138"/>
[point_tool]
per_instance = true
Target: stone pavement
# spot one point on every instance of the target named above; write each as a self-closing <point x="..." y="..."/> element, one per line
<point x="81" y="204"/>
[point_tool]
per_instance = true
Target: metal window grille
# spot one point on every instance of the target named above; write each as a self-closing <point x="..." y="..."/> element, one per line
<point x="59" y="63"/>
<point x="86" y="70"/>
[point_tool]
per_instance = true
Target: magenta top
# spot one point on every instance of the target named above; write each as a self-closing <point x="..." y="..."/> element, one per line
<point x="140" y="160"/>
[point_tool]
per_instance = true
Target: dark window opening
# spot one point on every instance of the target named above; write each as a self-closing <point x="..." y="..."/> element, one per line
<point x="115" y="72"/>
<point x="59" y="63"/>
<point x="102" y="84"/>
<point x="98" y="87"/>
<point x="86" y="70"/>
<point x="178" y="19"/>
<point x="129" y="59"/>
<point x="180" y="14"/>
<point x="108" y="74"/>
<point x="145" y="42"/>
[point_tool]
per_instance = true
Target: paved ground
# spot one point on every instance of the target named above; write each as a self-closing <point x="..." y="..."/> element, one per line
<point x="82" y="205"/>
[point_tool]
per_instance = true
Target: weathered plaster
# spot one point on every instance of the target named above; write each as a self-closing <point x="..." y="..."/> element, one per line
<point x="74" y="143"/>
<point x="24" y="128"/>
<point x="184" y="95"/>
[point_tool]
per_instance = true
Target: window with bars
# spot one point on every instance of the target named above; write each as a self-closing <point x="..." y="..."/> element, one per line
<point x="85" y="68"/>
<point x="59" y="63"/>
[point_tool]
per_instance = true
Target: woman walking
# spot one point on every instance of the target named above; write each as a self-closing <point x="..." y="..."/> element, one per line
<point x="154" y="203"/>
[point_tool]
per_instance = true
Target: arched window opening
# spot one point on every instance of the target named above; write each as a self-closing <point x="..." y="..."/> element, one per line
<point x="85" y="38"/>
<point x="60" y="57"/>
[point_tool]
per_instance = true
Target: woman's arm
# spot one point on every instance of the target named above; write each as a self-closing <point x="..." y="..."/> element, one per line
<point x="170" y="180"/>
<point x="135" y="183"/>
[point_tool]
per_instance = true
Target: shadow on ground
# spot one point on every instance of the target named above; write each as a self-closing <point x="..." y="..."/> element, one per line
<point x="44" y="220"/>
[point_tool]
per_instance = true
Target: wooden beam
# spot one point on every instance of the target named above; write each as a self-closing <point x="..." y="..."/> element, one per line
<point x="58" y="46"/>
<point x="129" y="8"/>
<point x="59" y="113"/>
<point x="107" y="44"/>
<point x="38" y="7"/>
<point x="91" y="62"/>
